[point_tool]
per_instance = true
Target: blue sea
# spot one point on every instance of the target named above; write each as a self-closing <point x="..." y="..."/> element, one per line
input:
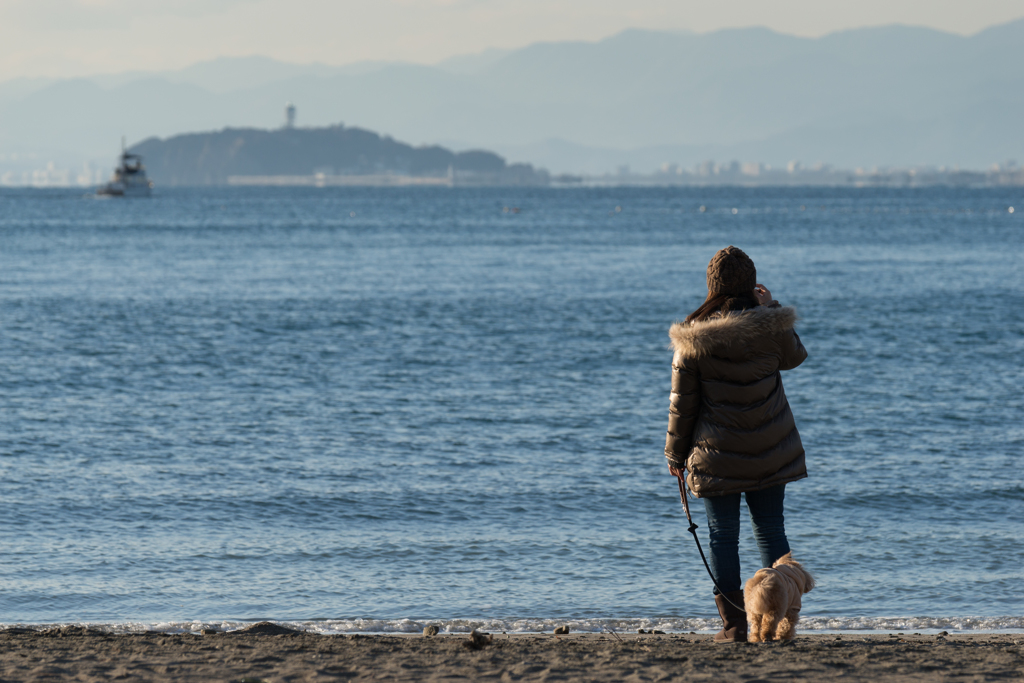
<point x="369" y="409"/>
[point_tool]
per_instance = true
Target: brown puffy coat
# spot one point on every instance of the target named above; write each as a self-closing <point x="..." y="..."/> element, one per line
<point x="729" y="421"/>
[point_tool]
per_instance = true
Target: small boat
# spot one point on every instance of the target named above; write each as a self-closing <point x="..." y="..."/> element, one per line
<point x="129" y="179"/>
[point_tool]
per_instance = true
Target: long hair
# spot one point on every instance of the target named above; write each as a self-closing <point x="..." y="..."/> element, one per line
<point x="722" y="303"/>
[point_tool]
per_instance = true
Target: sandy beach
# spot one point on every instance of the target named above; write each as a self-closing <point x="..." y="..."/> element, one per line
<point x="269" y="653"/>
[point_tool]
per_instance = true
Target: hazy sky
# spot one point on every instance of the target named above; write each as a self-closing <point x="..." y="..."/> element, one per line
<point x="80" y="37"/>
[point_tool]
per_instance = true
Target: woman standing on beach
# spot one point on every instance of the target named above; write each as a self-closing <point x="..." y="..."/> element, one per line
<point x="730" y="426"/>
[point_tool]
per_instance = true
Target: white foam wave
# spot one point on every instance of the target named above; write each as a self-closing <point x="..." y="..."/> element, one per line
<point x="808" y="624"/>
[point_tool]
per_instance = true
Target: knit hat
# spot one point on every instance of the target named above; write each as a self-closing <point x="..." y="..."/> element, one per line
<point x="731" y="272"/>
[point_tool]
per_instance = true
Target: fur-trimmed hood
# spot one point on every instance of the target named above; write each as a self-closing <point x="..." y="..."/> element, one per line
<point x="730" y="426"/>
<point x="743" y="327"/>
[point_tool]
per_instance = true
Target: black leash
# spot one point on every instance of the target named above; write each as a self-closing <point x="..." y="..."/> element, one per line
<point x="693" y="530"/>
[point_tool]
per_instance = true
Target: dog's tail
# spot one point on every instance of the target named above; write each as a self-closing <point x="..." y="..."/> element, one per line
<point x="803" y="578"/>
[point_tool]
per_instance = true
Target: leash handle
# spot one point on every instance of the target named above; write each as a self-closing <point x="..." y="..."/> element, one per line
<point x="684" y="499"/>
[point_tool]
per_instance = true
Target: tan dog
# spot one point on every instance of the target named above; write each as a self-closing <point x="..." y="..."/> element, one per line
<point x="772" y="599"/>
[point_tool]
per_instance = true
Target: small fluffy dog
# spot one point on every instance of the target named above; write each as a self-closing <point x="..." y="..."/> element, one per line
<point x="772" y="599"/>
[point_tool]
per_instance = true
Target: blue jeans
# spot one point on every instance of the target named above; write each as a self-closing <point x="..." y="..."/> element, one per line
<point x="724" y="529"/>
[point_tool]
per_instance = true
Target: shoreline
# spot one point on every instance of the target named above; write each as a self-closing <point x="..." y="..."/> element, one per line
<point x="240" y="629"/>
<point x="811" y="626"/>
<point x="312" y="628"/>
<point x="269" y="652"/>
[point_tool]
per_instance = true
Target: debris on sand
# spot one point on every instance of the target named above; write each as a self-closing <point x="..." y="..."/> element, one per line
<point x="431" y="630"/>
<point x="561" y="630"/>
<point x="477" y="640"/>
<point x="70" y="632"/>
<point x="265" y="628"/>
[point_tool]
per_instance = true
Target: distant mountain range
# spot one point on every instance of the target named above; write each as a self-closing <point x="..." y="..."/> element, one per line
<point x="894" y="95"/>
<point x="214" y="158"/>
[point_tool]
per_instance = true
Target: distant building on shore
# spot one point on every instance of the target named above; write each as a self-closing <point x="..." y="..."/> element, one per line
<point x="289" y="115"/>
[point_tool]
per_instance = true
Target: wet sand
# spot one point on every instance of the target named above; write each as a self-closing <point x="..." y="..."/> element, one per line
<point x="266" y="654"/>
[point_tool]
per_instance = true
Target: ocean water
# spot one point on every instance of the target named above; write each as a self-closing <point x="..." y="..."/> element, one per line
<point x="369" y="409"/>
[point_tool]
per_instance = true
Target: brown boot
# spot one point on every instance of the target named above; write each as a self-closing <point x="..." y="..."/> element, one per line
<point x="735" y="619"/>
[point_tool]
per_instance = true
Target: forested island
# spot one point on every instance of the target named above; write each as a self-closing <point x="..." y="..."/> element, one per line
<point x="335" y="155"/>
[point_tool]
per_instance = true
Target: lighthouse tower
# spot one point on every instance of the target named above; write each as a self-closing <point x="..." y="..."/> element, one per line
<point x="289" y="115"/>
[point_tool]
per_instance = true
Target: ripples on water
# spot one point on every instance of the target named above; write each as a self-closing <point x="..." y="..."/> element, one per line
<point x="363" y="406"/>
